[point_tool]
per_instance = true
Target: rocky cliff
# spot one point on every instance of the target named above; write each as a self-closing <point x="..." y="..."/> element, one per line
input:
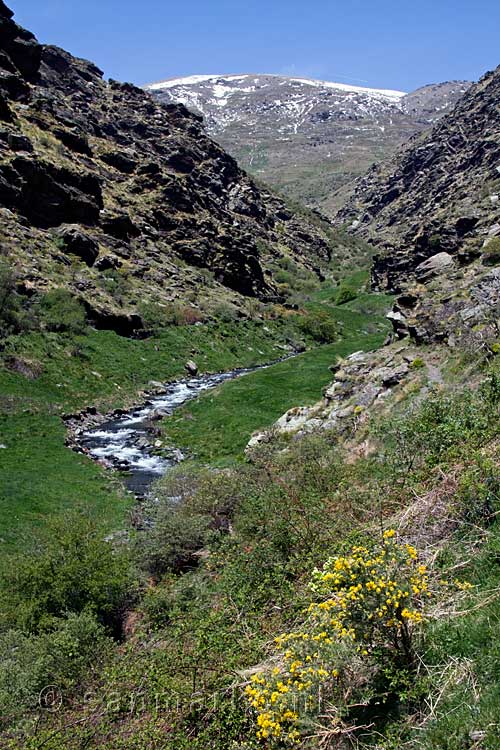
<point x="123" y="200"/>
<point x="432" y="212"/>
<point x="433" y="215"/>
<point x="309" y="138"/>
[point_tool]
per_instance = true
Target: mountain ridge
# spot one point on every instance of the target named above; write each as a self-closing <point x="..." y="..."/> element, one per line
<point x="433" y="214"/>
<point x="310" y="139"/>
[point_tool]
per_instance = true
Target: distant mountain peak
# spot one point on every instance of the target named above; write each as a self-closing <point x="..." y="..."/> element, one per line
<point x="307" y="137"/>
<point x="262" y="79"/>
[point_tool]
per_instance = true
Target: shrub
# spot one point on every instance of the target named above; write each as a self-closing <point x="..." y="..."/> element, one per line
<point x="417" y="363"/>
<point x="344" y="294"/>
<point x="441" y="428"/>
<point x="160" y="316"/>
<point x="71" y="571"/>
<point x="319" y="326"/>
<point x="358" y="645"/>
<point x="60" y="311"/>
<point x="13" y="318"/>
<point x="176" y="525"/>
<point x="172" y="540"/>
<point x="61" y="657"/>
<point x="226" y="313"/>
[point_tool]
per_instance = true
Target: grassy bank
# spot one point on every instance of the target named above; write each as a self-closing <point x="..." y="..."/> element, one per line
<point x="217" y="426"/>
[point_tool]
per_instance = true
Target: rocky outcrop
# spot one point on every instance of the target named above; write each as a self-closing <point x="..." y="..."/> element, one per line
<point x="431" y="213"/>
<point x="76" y="242"/>
<point x="100" y="172"/>
<point x="364" y="384"/>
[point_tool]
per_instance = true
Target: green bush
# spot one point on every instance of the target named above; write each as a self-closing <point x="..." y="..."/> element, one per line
<point x="172" y="540"/>
<point x="356" y="648"/>
<point x="442" y="428"/>
<point x="175" y="528"/>
<point x="319" y="326"/>
<point x="62" y="657"/>
<point x="60" y="311"/>
<point x="72" y="570"/>
<point x="13" y="319"/>
<point x="417" y="363"/>
<point x="344" y="294"/>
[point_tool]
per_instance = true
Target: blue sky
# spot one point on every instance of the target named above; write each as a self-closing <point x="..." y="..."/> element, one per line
<point x="381" y="43"/>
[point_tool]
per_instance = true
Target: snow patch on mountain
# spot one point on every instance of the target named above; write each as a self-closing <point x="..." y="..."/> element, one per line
<point x="225" y="79"/>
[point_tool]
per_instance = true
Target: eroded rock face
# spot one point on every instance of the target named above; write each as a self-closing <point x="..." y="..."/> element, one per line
<point x="76" y="242"/>
<point x="434" y="196"/>
<point x="141" y="180"/>
<point x="431" y="212"/>
<point x="48" y="195"/>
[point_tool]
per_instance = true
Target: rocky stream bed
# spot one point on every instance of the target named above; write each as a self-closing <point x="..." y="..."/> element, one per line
<point x="129" y="441"/>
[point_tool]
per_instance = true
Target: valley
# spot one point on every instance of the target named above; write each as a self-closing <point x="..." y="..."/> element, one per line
<point x="249" y="448"/>
<point x="104" y="371"/>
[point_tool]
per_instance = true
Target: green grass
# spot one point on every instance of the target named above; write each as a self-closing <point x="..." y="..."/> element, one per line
<point x="106" y="370"/>
<point x="217" y="426"/>
<point x="40" y="477"/>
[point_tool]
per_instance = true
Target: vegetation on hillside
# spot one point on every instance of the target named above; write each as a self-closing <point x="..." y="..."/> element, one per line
<point x="370" y="576"/>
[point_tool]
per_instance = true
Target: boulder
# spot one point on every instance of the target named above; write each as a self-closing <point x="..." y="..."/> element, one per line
<point x="399" y="322"/>
<point x="76" y="242"/>
<point x="120" y="161"/>
<point x="391" y="376"/>
<point x="74" y="141"/>
<point x="18" y="142"/>
<point x="108" y="262"/>
<point x="127" y="325"/>
<point x="191" y="367"/>
<point x="5" y="113"/>
<point x="118" y="225"/>
<point x="434" y="266"/>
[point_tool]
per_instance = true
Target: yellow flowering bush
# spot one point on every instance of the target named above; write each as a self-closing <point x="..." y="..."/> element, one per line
<point x="366" y="609"/>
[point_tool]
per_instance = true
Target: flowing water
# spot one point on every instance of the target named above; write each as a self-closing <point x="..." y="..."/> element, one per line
<point x="124" y="442"/>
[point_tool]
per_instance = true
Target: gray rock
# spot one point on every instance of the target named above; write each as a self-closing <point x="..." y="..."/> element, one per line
<point x="191" y="367"/>
<point x="392" y="376"/>
<point x="434" y="266"/>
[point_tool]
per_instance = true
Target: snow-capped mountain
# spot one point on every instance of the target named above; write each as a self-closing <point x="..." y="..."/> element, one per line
<point x="310" y="138"/>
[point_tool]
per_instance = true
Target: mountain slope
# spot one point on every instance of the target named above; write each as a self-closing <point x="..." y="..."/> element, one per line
<point x="433" y="213"/>
<point x="309" y="138"/>
<point x="102" y="186"/>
